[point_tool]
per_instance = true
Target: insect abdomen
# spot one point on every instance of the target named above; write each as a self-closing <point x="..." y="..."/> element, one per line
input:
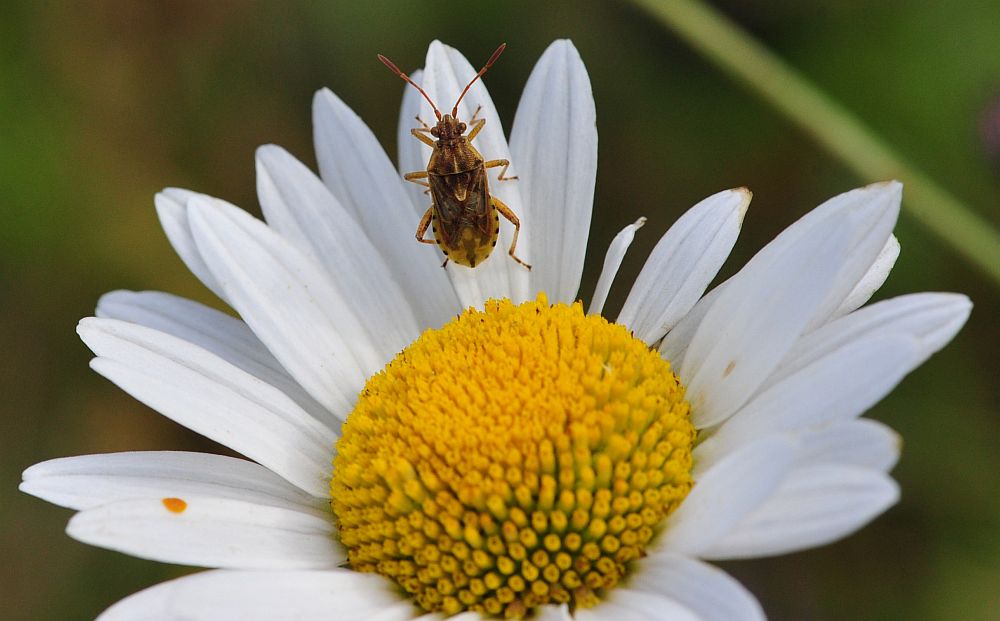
<point x="468" y="244"/>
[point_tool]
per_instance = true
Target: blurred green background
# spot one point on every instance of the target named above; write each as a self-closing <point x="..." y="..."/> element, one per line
<point x="104" y="103"/>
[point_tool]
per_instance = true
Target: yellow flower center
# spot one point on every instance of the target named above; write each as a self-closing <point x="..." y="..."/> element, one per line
<point x="519" y="456"/>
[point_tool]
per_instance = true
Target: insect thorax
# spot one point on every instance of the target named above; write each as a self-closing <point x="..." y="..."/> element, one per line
<point x="453" y="156"/>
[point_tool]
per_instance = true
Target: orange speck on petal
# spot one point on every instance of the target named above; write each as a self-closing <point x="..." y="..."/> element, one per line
<point x="175" y="505"/>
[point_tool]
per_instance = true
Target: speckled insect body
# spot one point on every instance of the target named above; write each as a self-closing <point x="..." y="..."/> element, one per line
<point x="464" y="217"/>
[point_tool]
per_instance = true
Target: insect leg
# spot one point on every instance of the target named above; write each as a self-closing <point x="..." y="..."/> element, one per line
<point x="503" y="172"/>
<point x="417" y="177"/>
<point x="416" y="131"/>
<point x="425" y="223"/>
<point x="475" y="115"/>
<point x="509" y="215"/>
<point x="424" y="126"/>
<point x="476" y="128"/>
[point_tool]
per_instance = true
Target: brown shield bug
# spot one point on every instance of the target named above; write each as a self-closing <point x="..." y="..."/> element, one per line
<point x="464" y="217"/>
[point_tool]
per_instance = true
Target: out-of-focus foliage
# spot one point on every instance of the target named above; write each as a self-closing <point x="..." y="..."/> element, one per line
<point x="104" y="103"/>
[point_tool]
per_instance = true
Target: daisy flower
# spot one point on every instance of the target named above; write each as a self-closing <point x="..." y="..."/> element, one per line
<point x="517" y="458"/>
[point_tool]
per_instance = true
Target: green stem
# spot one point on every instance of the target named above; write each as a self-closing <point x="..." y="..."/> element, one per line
<point x="737" y="53"/>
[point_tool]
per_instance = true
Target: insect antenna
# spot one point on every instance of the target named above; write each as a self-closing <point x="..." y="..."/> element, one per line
<point x="393" y="68"/>
<point x="489" y="63"/>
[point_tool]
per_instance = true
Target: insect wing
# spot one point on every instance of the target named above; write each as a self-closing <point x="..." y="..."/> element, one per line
<point x="447" y="210"/>
<point x="461" y="200"/>
<point x="478" y="210"/>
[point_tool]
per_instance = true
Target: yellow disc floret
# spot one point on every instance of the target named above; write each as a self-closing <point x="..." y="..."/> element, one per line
<point x="519" y="456"/>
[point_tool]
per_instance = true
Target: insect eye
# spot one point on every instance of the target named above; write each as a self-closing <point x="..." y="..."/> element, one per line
<point x="461" y="128"/>
<point x="435" y="132"/>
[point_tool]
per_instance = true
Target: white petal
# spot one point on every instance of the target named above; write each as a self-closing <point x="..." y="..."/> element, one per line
<point x="299" y="207"/>
<point x="754" y="321"/>
<point x="360" y="175"/>
<point x="623" y="604"/>
<point x="684" y="261"/>
<point x="222" y="334"/>
<point x="462" y="616"/>
<point x="721" y="497"/>
<point x="814" y="506"/>
<point x="172" y="210"/>
<point x="211" y="532"/>
<point x="214" y="398"/>
<point x="289" y="304"/>
<point x="844" y="367"/>
<point x="708" y="591"/>
<point x="872" y="210"/>
<point x="872" y="280"/>
<point x="151" y="604"/>
<point x="408" y="148"/>
<point x="554" y="143"/>
<point x="553" y="613"/>
<point x="266" y="596"/>
<point x="931" y="319"/>
<point x="675" y="343"/>
<point x="613" y="261"/>
<point x="446" y="72"/>
<point x="92" y="480"/>
<point x="833" y="389"/>
<point x="862" y="442"/>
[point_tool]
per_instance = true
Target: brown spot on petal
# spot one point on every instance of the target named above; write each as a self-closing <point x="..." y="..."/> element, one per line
<point x="175" y="505"/>
<point x="729" y="368"/>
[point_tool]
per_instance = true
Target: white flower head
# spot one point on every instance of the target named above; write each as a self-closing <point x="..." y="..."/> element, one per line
<point x="523" y="458"/>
